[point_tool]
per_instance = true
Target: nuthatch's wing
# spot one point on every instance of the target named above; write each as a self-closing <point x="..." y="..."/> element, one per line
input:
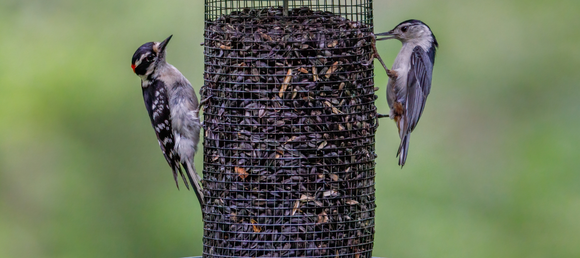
<point x="419" y="86"/>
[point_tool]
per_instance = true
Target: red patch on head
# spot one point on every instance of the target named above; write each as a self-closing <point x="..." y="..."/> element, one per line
<point x="133" y="67"/>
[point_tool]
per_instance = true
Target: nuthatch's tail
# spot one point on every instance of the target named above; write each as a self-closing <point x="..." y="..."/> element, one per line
<point x="403" y="149"/>
<point x="194" y="179"/>
<point x="404" y="134"/>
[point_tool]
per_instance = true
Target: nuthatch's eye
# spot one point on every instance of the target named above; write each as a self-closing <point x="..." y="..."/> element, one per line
<point x="404" y="29"/>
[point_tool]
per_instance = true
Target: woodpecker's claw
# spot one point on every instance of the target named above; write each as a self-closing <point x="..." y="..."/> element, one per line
<point x="203" y="101"/>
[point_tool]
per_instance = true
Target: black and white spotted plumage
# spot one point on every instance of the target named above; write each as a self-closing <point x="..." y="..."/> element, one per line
<point x="155" y="97"/>
<point x="410" y="78"/>
<point x="173" y="108"/>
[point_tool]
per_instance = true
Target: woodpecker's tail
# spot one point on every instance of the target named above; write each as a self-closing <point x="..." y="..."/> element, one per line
<point x="194" y="179"/>
<point x="176" y="169"/>
<point x="403" y="149"/>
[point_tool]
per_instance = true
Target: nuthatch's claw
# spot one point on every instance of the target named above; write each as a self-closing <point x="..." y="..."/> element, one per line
<point x="367" y="63"/>
<point x="375" y="54"/>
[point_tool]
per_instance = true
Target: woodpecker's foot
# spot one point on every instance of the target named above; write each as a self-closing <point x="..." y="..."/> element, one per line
<point x="392" y="74"/>
<point x="381" y="115"/>
<point x="203" y="101"/>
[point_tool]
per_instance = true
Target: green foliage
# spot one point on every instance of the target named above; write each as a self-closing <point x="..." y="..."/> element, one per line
<point x="492" y="170"/>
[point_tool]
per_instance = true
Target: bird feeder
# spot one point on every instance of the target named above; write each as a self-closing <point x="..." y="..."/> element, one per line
<point x="290" y="122"/>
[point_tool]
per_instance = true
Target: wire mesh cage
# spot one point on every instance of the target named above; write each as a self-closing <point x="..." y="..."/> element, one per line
<point x="290" y="121"/>
<point x="354" y="10"/>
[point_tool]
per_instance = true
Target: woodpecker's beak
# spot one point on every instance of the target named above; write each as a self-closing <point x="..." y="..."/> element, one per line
<point x="388" y="35"/>
<point x="163" y="44"/>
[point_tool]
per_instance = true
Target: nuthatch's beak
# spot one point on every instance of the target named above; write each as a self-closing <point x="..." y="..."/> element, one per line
<point x="163" y="44"/>
<point x="388" y="35"/>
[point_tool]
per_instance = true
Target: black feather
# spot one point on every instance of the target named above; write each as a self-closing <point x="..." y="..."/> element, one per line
<point x="155" y="97"/>
<point x="194" y="184"/>
<point x="146" y="48"/>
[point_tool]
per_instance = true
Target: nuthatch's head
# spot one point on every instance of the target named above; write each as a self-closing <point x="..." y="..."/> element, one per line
<point x="411" y="31"/>
<point x="148" y="56"/>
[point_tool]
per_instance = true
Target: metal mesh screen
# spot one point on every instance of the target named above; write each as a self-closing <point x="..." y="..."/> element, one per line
<point x="354" y="10"/>
<point x="290" y="127"/>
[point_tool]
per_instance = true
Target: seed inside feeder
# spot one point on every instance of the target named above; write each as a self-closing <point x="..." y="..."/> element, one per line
<point x="289" y="141"/>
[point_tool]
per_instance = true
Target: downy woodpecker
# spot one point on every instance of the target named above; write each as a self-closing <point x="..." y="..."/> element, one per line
<point x="173" y="108"/>
<point x="410" y="78"/>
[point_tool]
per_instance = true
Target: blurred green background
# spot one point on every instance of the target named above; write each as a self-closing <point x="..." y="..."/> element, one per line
<point x="493" y="169"/>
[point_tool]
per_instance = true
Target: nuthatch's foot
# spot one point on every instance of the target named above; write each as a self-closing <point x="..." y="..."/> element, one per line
<point x="367" y="63"/>
<point x="375" y="54"/>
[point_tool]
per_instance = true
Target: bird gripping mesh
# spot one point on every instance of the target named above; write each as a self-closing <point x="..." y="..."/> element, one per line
<point x="290" y="121"/>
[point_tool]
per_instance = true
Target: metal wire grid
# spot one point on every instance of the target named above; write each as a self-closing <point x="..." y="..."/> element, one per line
<point x="354" y="10"/>
<point x="288" y="172"/>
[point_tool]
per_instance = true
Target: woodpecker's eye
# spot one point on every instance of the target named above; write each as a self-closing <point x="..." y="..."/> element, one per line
<point x="404" y="29"/>
<point x="150" y="58"/>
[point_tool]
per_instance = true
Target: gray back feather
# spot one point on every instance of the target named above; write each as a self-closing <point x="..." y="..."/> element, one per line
<point x="419" y="85"/>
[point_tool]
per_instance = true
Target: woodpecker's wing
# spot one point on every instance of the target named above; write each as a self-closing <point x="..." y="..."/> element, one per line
<point x="419" y="85"/>
<point x="155" y="97"/>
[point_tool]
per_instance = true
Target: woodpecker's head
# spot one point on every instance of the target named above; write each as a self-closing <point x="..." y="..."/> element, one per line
<point x="148" y="57"/>
<point x="411" y="31"/>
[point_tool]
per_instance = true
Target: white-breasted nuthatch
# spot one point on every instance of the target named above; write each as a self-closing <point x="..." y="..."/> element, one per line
<point x="410" y="77"/>
<point x="173" y="109"/>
